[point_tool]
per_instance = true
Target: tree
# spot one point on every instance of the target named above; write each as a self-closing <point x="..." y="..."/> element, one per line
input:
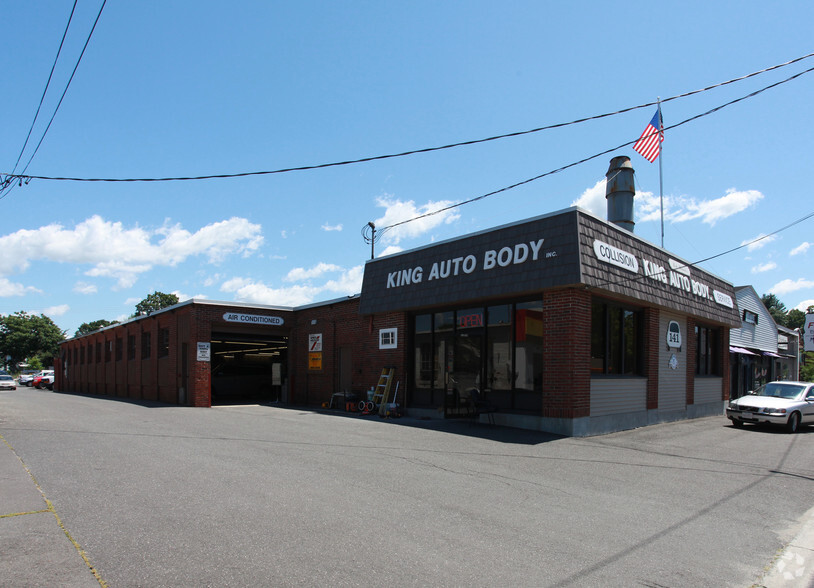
<point x="776" y="308"/>
<point x="24" y="336"/>
<point x="155" y="301"/>
<point x="795" y="319"/>
<point x="86" y="328"/>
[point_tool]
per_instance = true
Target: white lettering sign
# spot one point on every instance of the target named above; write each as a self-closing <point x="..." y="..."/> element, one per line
<point x="466" y="264"/>
<point x="204" y="351"/>
<point x="808" y="333"/>
<point x="615" y="256"/>
<point x="723" y="299"/>
<point x="252" y="319"/>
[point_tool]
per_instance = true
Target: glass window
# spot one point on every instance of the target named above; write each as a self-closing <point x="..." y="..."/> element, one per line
<point x="616" y="340"/>
<point x="388" y="338"/>
<point x="706" y="352"/>
<point x="529" y="346"/>
<point x="146" y="346"/>
<point x="119" y="347"/>
<point x="423" y="351"/>
<point x="163" y="342"/>
<point x="131" y="347"/>
<point x="499" y="347"/>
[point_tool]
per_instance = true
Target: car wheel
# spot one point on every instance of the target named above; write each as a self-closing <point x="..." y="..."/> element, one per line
<point x="737" y="423"/>
<point x="794" y="423"/>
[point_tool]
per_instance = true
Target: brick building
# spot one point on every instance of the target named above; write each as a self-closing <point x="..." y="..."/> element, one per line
<point x="565" y="322"/>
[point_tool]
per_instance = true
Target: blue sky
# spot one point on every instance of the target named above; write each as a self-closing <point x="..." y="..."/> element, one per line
<point x="184" y="88"/>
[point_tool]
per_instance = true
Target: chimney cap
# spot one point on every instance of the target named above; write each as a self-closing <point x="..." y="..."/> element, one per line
<point x="619" y="162"/>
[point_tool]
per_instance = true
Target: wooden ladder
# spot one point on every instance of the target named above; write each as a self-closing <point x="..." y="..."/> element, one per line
<point x="382" y="390"/>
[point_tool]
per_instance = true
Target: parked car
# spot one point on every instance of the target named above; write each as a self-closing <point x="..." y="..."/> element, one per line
<point x="26" y="377"/>
<point x="790" y="404"/>
<point x="47" y="381"/>
<point x="7" y="382"/>
<point x="38" y="383"/>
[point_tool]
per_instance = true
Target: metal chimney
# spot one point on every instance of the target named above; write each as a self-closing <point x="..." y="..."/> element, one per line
<point x="619" y="192"/>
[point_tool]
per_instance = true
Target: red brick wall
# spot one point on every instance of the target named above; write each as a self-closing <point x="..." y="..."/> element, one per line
<point x="341" y="326"/>
<point x="566" y="353"/>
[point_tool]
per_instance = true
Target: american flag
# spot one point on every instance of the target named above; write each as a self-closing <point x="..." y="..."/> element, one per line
<point x="649" y="144"/>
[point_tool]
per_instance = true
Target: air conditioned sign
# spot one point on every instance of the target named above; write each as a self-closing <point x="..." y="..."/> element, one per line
<point x="252" y="319"/>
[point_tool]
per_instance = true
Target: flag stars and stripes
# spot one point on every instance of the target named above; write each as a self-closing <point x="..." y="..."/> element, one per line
<point x="649" y="144"/>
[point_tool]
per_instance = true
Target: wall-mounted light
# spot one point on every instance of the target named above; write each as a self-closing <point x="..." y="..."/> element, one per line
<point x="313" y="321"/>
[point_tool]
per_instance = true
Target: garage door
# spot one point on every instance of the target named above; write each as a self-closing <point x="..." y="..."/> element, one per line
<point x="248" y="368"/>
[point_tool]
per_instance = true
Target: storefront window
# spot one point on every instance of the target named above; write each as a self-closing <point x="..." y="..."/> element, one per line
<point x="615" y="340"/>
<point x="423" y="359"/>
<point x="529" y="346"/>
<point x="499" y="348"/>
<point x="706" y="350"/>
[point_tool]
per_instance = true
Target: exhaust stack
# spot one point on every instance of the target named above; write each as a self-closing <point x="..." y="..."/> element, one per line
<point x="619" y="192"/>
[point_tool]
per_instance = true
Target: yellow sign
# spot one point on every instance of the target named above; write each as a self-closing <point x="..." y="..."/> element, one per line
<point x="315" y="361"/>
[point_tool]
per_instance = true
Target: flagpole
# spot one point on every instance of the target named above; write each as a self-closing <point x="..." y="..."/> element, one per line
<point x="661" y="181"/>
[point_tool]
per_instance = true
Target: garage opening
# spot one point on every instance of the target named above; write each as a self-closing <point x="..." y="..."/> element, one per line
<point x="248" y="368"/>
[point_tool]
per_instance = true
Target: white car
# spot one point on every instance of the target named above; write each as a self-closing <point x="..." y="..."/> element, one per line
<point x="7" y="382"/>
<point x="790" y="404"/>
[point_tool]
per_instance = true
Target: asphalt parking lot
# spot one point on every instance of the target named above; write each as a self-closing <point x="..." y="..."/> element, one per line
<point x="144" y="494"/>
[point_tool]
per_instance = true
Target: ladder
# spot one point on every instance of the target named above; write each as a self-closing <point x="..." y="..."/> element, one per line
<point x="382" y="390"/>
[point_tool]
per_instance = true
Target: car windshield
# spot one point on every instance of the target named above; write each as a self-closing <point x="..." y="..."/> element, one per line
<point x="6" y="378"/>
<point x="779" y="390"/>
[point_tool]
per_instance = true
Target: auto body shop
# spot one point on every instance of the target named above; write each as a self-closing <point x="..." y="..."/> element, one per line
<point x="565" y="323"/>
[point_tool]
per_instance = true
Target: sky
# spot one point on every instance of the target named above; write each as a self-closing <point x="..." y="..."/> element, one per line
<point x="183" y="88"/>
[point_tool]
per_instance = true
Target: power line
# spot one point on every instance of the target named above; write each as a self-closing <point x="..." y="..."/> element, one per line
<point x="638" y="278"/>
<point x="586" y="159"/>
<point x="47" y="84"/>
<point x="11" y="177"/>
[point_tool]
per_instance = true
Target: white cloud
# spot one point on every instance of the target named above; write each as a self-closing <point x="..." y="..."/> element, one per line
<point x="593" y="199"/>
<point x="711" y="211"/>
<point x="123" y="253"/>
<point x="85" y="288"/>
<point x="328" y="228"/>
<point x="648" y="206"/>
<point x="397" y="211"/>
<point x="805" y="304"/>
<point x="390" y="250"/>
<point x="348" y="283"/>
<point x="801" y="248"/>
<point x="298" y="273"/>
<point x="8" y="288"/>
<point x="53" y="311"/>
<point x="758" y="242"/>
<point x="787" y="286"/>
<point x="764" y="267"/>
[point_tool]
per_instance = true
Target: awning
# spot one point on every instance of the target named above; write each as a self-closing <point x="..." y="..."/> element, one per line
<point x="740" y="350"/>
<point x="770" y="354"/>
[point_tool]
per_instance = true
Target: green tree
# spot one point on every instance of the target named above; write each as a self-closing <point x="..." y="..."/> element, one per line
<point x="776" y="308"/>
<point x="807" y="369"/>
<point x="795" y="319"/>
<point x="24" y="336"/>
<point x="155" y="301"/>
<point x="86" y="328"/>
